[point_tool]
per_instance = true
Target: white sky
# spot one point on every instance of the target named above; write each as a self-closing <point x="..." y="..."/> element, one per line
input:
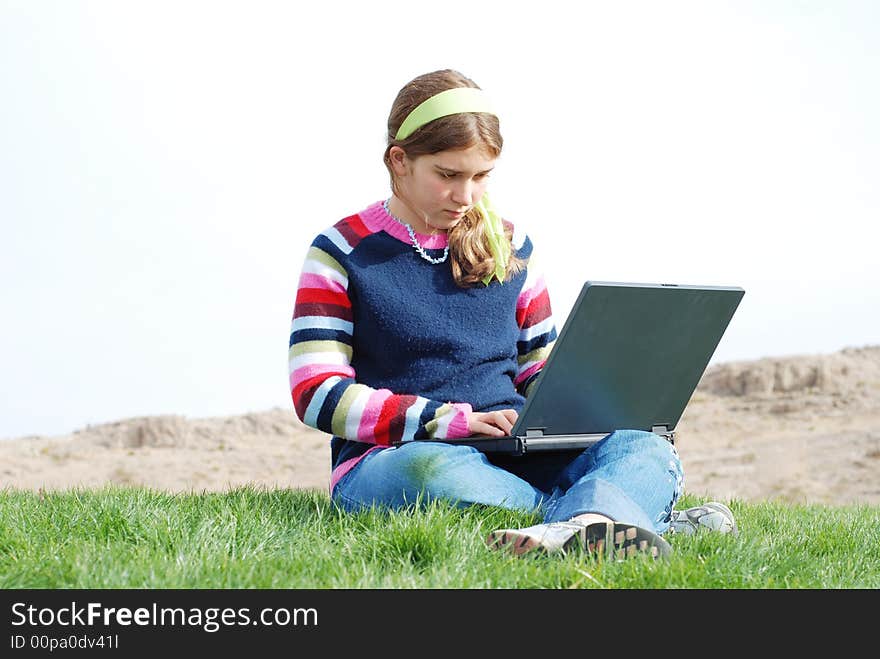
<point x="165" y="165"/>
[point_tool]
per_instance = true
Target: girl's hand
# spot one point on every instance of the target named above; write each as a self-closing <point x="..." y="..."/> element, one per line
<point x="492" y="424"/>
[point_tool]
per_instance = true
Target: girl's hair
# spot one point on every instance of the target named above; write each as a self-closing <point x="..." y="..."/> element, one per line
<point x="469" y="251"/>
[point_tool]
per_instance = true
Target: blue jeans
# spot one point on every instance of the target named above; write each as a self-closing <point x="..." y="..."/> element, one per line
<point x="630" y="476"/>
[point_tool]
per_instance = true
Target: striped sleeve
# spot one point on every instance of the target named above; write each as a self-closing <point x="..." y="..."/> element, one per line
<point x="537" y="330"/>
<point x="324" y="388"/>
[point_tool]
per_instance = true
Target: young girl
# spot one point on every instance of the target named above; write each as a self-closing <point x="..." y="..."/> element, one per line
<point x="425" y="316"/>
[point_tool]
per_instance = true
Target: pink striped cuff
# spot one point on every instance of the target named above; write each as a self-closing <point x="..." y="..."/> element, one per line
<point x="458" y="427"/>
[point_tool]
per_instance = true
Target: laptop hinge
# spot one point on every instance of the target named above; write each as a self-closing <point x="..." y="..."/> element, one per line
<point x="664" y="431"/>
<point x="535" y="432"/>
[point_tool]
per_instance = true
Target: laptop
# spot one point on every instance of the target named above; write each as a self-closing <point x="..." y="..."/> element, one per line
<point x="628" y="357"/>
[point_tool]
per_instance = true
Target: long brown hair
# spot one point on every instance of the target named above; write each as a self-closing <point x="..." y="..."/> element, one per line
<point x="469" y="252"/>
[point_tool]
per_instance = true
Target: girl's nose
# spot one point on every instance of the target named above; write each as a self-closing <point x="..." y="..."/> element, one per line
<point x="463" y="193"/>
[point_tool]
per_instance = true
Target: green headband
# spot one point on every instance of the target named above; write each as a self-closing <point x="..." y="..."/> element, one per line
<point x="451" y="101"/>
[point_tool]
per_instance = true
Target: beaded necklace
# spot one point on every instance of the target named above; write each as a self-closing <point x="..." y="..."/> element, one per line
<point x="415" y="242"/>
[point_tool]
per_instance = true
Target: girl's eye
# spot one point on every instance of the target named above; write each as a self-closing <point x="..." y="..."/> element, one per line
<point x="478" y="177"/>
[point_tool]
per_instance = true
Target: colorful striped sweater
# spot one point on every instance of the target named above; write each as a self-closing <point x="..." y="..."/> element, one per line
<point x="385" y="347"/>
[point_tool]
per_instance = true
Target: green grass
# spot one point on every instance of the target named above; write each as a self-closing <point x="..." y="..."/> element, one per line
<point x="254" y="538"/>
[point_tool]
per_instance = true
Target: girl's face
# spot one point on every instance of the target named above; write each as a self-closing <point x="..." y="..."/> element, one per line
<point x="441" y="187"/>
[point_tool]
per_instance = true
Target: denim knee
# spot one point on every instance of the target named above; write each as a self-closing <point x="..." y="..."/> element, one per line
<point x="642" y="465"/>
<point x="658" y="450"/>
<point x="660" y="455"/>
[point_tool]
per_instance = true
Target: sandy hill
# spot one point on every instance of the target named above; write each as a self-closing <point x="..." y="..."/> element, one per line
<point x="799" y="428"/>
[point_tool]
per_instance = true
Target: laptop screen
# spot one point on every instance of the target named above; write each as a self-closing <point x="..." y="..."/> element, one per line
<point x="629" y="356"/>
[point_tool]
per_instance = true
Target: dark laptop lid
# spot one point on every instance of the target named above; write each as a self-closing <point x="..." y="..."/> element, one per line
<point x="629" y="356"/>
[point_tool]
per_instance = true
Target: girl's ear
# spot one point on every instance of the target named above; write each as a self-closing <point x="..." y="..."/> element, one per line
<point x="398" y="159"/>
